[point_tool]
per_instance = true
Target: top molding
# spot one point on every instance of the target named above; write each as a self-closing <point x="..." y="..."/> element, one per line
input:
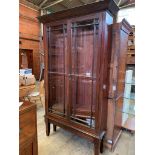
<point x="123" y="25"/>
<point x="126" y="26"/>
<point x="108" y="5"/>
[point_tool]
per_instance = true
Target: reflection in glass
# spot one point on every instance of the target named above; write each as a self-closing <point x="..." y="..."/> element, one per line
<point x="57" y="38"/>
<point x="83" y="73"/>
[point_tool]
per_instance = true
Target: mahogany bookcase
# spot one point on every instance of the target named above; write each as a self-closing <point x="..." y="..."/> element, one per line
<point x="78" y="49"/>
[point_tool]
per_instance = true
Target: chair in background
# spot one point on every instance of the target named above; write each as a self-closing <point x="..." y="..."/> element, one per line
<point x="38" y="95"/>
<point x="24" y="91"/>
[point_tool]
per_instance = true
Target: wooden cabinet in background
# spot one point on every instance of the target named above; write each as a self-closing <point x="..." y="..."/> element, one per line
<point x="77" y="61"/>
<point x="25" y="59"/>
<point x="28" y="144"/>
<point x="131" y="48"/>
<point x="117" y="70"/>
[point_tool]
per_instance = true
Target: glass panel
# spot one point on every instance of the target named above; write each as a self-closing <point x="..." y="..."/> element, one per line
<point x="57" y="42"/>
<point x="125" y="106"/>
<point x="128" y="119"/>
<point x="125" y="114"/>
<point x="84" y="49"/>
<point x="56" y="93"/>
<point x="56" y="56"/>
<point x="83" y="73"/>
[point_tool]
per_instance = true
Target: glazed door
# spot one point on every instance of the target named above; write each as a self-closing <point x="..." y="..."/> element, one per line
<point x="57" y="47"/>
<point x="84" y="50"/>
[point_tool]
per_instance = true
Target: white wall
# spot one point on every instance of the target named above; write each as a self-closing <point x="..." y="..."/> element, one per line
<point x="128" y="14"/>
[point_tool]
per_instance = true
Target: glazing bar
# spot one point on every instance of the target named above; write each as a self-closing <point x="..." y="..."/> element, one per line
<point x="63" y="28"/>
<point x="57" y="73"/>
<point x="85" y="25"/>
<point x="64" y="63"/>
<point x="76" y="85"/>
<point x="81" y="120"/>
<point x="92" y="99"/>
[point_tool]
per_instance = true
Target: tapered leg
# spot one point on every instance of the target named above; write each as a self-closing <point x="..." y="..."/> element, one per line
<point x="102" y="144"/>
<point x="54" y="128"/>
<point x="47" y="127"/>
<point x="97" y="147"/>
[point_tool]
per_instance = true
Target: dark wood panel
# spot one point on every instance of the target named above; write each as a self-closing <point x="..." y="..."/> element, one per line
<point x="28" y="144"/>
<point x="81" y="67"/>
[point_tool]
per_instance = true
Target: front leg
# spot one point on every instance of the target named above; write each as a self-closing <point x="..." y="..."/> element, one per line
<point x="97" y="147"/>
<point x="54" y="128"/>
<point x="102" y="144"/>
<point x="47" y="127"/>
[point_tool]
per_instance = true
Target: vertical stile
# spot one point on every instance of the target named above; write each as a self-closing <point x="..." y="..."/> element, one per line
<point x="74" y="33"/>
<point x="69" y="69"/>
<point x="76" y="78"/>
<point x="94" y="43"/>
<point x="49" y="64"/>
<point x="64" y="29"/>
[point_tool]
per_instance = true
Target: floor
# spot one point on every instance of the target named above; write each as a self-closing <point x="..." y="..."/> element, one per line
<point x="65" y="143"/>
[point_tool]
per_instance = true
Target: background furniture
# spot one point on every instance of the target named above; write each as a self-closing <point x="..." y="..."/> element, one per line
<point x="131" y="48"/>
<point x="38" y="95"/>
<point x="130" y="65"/>
<point x="117" y="69"/>
<point x="26" y="84"/>
<point x="25" y="59"/>
<point x="77" y="59"/>
<point x="129" y="100"/>
<point x="28" y="129"/>
<point x="24" y="91"/>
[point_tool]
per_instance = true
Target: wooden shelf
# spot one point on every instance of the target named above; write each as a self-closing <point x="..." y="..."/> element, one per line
<point x="81" y="110"/>
<point x="131" y="37"/>
<point x="84" y="110"/>
<point x="130" y="60"/>
<point x="132" y="47"/>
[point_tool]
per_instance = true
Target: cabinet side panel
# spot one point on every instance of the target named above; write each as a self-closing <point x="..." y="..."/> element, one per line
<point x="105" y="54"/>
<point x="46" y="66"/>
<point x="110" y="120"/>
<point x="113" y="70"/>
<point x="122" y="62"/>
<point x="120" y="84"/>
